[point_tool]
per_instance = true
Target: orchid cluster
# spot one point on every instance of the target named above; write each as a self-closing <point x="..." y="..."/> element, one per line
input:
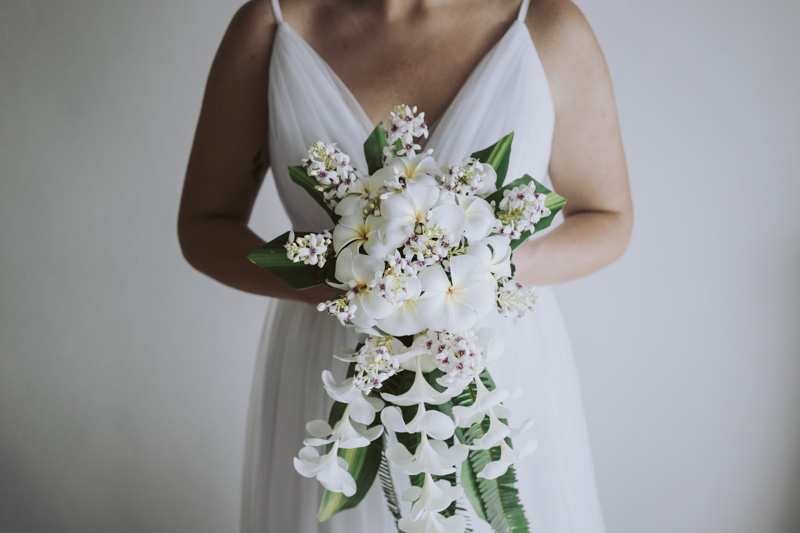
<point x="422" y="255"/>
<point x="311" y="249"/>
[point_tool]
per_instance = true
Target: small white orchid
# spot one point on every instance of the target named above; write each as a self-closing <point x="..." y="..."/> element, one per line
<point x="431" y="522"/>
<point x="420" y="392"/>
<point x="432" y="456"/>
<point x="435" y="424"/>
<point x="431" y="497"/>
<point x="484" y="401"/>
<point x="330" y="469"/>
<point x="311" y="249"/>
<point x="348" y="433"/>
<point x="508" y="456"/>
<point x="403" y="125"/>
<point x="362" y="408"/>
<point x="514" y="299"/>
<point x="456" y="302"/>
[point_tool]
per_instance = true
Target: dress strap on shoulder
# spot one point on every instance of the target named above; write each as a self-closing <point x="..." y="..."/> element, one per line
<point x="523" y="10"/>
<point x="276" y="11"/>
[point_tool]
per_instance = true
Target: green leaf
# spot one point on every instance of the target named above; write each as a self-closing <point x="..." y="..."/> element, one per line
<point x="373" y="149"/>
<point x="498" y="156"/>
<point x="272" y="256"/>
<point x="362" y="463"/>
<point x="494" y="500"/>
<point x="553" y="202"/>
<point x="300" y="176"/>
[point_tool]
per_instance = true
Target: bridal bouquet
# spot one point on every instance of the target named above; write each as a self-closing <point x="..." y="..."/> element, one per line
<point x="421" y="254"/>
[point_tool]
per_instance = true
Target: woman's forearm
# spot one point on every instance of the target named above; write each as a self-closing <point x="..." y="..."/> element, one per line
<point x="584" y="243"/>
<point x="218" y="247"/>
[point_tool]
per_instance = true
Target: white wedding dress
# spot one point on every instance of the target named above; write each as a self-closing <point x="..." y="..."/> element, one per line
<point x="506" y="92"/>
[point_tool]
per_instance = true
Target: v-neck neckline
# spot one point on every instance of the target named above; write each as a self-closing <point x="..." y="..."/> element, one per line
<point x="364" y="117"/>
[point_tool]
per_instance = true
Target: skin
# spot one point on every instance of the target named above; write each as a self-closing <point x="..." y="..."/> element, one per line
<point x="229" y="156"/>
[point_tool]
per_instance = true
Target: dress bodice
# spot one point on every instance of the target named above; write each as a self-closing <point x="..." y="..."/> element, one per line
<point x="308" y="102"/>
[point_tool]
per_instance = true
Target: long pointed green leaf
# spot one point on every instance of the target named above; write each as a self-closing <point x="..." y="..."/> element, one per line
<point x="272" y="256"/>
<point x="300" y="176"/>
<point x="373" y="149"/>
<point x="498" y="156"/>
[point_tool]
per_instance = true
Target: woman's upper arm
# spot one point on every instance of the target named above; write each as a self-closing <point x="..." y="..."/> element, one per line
<point x="229" y="155"/>
<point x="587" y="164"/>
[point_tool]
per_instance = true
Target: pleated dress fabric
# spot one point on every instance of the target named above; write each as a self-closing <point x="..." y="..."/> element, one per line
<point x="506" y="92"/>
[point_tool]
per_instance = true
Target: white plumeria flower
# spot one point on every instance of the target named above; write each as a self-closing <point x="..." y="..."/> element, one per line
<point x="479" y="217"/>
<point x="431" y="497"/>
<point x="358" y="273"/>
<point x="330" y="469"/>
<point x="435" y="424"/>
<point x="359" y="231"/>
<point x="348" y="433"/>
<point x="361" y="408"/>
<point x="417" y="204"/>
<point x="402" y="319"/>
<point x="420" y="168"/>
<point x="508" y="456"/>
<point x="484" y="401"/>
<point x="432" y="456"/>
<point x="456" y="305"/>
<point x="421" y="391"/>
<point x="363" y="190"/>
<point x="495" y="253"/>
<point x="431" y="522"/>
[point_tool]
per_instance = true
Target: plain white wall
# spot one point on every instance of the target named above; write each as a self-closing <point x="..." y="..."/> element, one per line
<point x="125" y="375"/>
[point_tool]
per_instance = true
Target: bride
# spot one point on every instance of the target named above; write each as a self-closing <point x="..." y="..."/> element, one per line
<point x="288" y="74"/>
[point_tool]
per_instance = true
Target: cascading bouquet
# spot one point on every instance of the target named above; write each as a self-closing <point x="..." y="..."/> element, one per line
<point x="421" y="254"/>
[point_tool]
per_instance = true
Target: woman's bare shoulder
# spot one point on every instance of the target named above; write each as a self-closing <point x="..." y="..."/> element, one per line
<point x="564" y="39"/>
<point x="253" y="24"/>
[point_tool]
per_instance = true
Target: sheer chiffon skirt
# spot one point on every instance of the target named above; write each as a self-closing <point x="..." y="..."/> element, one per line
<point x="556" y="483"/>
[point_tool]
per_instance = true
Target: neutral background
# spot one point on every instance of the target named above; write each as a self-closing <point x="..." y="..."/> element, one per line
<point x="125" y="375"/>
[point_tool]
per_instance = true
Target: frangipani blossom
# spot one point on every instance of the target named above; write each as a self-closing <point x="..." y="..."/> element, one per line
<point x="435" y="424"/>
<point x="348" y="433"/>
<point x="360" y="407"/>
<point x="359" y="231"/>
<point x="432" y="523"/>
<point x="456" y="305"/>
<point x="420" y="168"/>
<point x="359" y="273"/>
<point x="508" y="456"/>
<point x="330" y="469"/>
<point x="417" y="204"/>
<point x="494" y="252"/>
<point x="432" y="497"/>
<point x="432" y="456"/>
<point x="479" y="217"/>
<point x="362" y="191"/>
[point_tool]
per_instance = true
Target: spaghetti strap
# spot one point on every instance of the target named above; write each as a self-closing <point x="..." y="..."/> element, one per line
<point x="276" y="11"/>
<point x="523" y="10"/>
